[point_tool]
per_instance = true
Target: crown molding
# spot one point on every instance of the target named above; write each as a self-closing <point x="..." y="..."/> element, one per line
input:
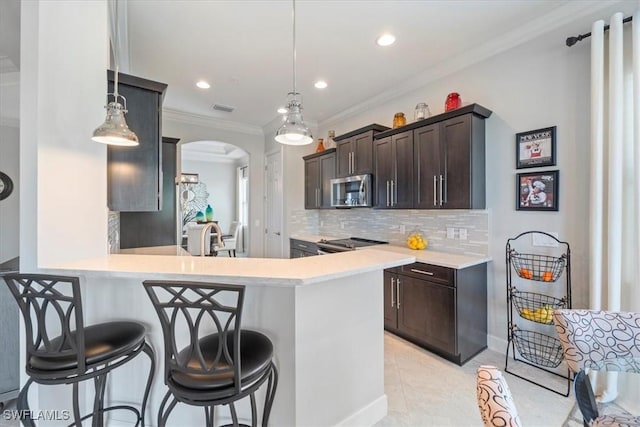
<point x="10" y="122"/>
<point x="211" y="122"/>
<point x="563" y="15"/>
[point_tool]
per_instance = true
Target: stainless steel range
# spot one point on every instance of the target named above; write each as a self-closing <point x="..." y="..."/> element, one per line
<point x="343" y="245"/>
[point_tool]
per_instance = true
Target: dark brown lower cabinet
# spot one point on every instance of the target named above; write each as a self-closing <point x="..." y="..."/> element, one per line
<point x="441" y="309"/>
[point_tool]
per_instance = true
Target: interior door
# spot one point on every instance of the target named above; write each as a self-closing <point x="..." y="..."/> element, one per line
<point x="273" y="242"/>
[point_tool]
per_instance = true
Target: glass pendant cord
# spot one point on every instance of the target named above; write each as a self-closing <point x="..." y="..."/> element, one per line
<point x="294" y="131"/>
<point x="114" y="130"/>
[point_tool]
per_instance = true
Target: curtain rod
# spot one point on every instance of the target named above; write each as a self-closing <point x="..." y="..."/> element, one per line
<point x="573" y="40"/>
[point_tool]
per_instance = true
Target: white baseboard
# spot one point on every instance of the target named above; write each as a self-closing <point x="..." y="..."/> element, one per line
<point x="496" y="344"/>
<point x="369" y="415"/>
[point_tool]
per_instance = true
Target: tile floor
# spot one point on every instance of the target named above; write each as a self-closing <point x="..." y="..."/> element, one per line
<point x="426" y="390"/>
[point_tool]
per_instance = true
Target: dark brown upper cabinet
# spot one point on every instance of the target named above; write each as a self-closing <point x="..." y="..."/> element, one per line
<point x="319" y="169"/>
<point x="354" y="151"/>
<point x="142" y="229"/>
<point x="393" y="171"/>
<point x="134" y="174"/>
<point x="448" y="160"/>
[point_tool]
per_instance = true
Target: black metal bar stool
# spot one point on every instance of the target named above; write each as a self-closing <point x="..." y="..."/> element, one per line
<point x="61" y="350"/>
<point x="221" y="363"/>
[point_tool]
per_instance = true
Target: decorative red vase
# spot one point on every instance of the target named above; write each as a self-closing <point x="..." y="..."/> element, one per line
<point x="453" y="101"/>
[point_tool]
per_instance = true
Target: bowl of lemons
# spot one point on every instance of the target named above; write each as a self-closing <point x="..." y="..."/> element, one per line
<point x="416" y="241"/>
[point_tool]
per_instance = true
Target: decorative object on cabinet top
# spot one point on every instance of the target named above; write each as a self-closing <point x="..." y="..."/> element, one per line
<point x="476" y="109"/>
<point x="399" y="120"/>
<point x="374" y="127"/>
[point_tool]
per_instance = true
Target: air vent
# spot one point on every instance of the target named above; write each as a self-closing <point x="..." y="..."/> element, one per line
<point x="225" y="108"/>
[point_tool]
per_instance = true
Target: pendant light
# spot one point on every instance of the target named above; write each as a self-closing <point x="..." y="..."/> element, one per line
<point x="294" y="131"/>
<point x="114" y="130"/>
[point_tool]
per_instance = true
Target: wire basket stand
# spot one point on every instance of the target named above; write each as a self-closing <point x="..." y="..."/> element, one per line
<point x="541" y="280"/>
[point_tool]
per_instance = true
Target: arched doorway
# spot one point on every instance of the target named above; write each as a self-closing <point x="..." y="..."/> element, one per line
<point x="215" y="174"/>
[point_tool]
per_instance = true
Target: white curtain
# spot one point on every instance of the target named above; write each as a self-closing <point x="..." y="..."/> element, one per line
<point x="615" y="179"/>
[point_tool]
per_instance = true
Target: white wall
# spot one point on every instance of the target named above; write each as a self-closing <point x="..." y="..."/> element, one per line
<point x="292" y="174"/>
<point x="539" y="84"/>
<point x="63" y="198"/>
<point x="197" y="128"/>
<point x="10" y="207"/>
<point x="220" y="179"/>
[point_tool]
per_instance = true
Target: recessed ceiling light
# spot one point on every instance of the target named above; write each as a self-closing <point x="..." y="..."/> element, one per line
<point x="386" y="40"/>
<point x="203" y="85"/>
<point x="282" y="110"/>
<point x="320" y="84"/>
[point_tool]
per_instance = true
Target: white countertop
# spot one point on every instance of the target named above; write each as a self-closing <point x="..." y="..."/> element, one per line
<point x="247" y="271"/>
<point x="443" y="259"/>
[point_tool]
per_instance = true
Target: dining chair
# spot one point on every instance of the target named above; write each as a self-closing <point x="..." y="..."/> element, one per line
<point x="60" y="349"/>
<point x="220" y="363"/>
<point x="231" y="244"/>
<point x="494" y="399"/>
<point x="601" y="341"/>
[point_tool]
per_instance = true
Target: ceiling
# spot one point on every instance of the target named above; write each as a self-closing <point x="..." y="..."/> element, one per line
<point x="243" y="48"/>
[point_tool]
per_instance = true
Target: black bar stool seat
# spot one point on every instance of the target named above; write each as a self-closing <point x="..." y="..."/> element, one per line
<point x="52" y="306"/>
<point x="221" y="363"/>
<point x="102" y="342"/>
<point x="256" y="352"/>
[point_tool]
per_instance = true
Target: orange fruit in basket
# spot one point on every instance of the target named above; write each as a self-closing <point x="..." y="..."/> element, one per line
<point x="547" y="276"/>
<point x="526" y="273"/>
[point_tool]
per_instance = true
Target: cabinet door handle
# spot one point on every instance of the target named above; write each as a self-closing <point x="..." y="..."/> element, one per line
<point x="428" y="273"/>
<point x="302" y="246"/>
<point x="398" y="294"/>
<point x="441" y="190"/>
<point x="353" y="162"/>
<point x="444" y="178"/>
<point x="387" y="193"/>
<point x="394" y="194"/>
<point x="317" y="197"/>
<point x="391" y="182"/>
<point x="393" y="292"/>
<point x="435" y="190"/>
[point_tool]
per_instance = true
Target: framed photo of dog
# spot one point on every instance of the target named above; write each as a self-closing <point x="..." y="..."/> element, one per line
<point x="537" y="191"/>
<point x="536" y="148"/>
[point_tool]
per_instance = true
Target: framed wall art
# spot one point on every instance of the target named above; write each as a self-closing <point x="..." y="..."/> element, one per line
<point x="537" y="191"/>
<point x="536" y="148"/>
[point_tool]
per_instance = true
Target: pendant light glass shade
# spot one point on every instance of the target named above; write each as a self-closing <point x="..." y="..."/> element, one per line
<point x="293" y="131"/>
<point x="114" y="130"/>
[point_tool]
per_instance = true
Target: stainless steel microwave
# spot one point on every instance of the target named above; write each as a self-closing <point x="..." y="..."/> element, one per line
<point x="352" y="191"/>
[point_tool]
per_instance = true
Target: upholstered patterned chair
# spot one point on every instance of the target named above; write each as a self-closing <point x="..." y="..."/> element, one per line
<point x="494" y="399"/>
<point x="601" y="341"/>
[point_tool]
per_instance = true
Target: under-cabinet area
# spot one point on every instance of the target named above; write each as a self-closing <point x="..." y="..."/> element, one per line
<point x="441" y="309"/>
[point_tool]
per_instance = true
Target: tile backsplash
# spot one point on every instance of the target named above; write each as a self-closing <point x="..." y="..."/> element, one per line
<point x="394" y="226"/>
<point x="114" y="232"/>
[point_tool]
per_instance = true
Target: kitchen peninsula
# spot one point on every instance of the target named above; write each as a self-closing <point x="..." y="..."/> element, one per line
<point x="323" y="314"/>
